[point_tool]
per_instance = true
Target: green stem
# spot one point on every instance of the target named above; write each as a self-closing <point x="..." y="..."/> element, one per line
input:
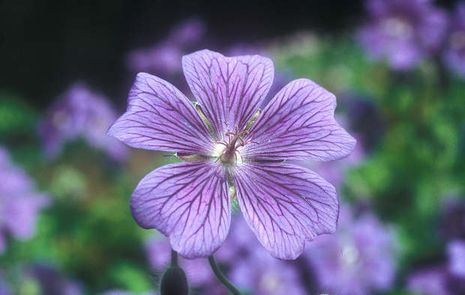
<point x="220" y="276"/>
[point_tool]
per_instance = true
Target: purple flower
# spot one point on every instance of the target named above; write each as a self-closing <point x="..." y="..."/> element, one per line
<point x="263" y="275"/>
<point x="456" y="253"/>
<point x="4" y="288"/>
<point x="116" y="292"/>
<point x="240" y="243"/>
<point x="358" y="260"/>
<point x="364" y="118"/>
<point x="165" y="56"/>
<point x="428" y="282"/>
<point x="446" y="279"/>
<point x="79" y="112"/>
<point x="452" y="226"/>
<point x="51" y="281"/>
<point x="122" y="292"/>
<point x="231" y="151"/>
<point x="20" y="203"/>
<point x="454" y="54"/>
<point x="253" y="270"/>
<point x="402" y="32"/>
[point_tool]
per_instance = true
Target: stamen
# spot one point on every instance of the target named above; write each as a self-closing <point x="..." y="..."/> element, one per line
<point x="202" y="116"/>
<point x="232" y="191"/>
<point x="252" y="120"/>
<point x="189" y="157"/>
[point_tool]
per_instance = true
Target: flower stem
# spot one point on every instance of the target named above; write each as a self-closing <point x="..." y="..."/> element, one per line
<point x="220" y="276"/>
<point x="174" y="258"/>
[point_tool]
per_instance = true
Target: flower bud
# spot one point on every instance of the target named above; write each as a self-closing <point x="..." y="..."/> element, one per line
<point x="174" y="282"/>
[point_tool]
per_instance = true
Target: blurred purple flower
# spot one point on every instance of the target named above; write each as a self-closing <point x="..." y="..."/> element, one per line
<point x="262" y="274"/>
<point x="20" y="203"/>
<point x="254" y="270"/>
<point x="456" y="254"/>
<point x="358" y="260"/>
<point x="122" y="292"/>
<point x="240" y="242"/>
<point x="232" y="151"/>
<point x="442" y="280"/>
<point x="165" y="57"/>
<point x="79" y="112"/>
<point x="452" y="226"/>
<point x="454" y="53"/>
<point x="52" y="282"/>
<point x="364" y="118"/>
<point x="116" y="292"/>
<point x="402" y="32"/>
<point x="428" y="282"/>
<point x="4" y="289"/>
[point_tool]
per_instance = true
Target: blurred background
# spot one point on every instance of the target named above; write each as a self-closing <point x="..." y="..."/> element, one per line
<point x="398" y="71"/>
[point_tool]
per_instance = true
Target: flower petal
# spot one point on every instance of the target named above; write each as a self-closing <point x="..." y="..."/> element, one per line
<point x="189" y="203"/>
<point x="230" y="89"/>
<point x="285" y="205"/>
<point x="160" y="117"/>
<point x="299" y="123"/>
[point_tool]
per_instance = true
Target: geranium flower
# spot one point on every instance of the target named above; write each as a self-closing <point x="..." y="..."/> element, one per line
<point x="20" y="203"/>
<point x="165" y="56"/>
<point x="359" y="259"/>
<point x="232" y="151"/>
<point x="80" y="113"/>
<point x="431" y="281"/>
<point x="402" y="32"/>
<point x="444" y="279"/>
<point x="454" y="53"/>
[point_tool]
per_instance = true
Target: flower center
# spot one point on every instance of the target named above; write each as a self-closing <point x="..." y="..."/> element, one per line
<point x="227" y="151"/>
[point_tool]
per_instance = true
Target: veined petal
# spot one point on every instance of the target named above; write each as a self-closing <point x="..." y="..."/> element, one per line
<point x="160" y="117"/>
<point x="189" y="203"/>
<point x="229" y="89"/>
<point x="299" y="123"/>
<point x="285" y="205"/>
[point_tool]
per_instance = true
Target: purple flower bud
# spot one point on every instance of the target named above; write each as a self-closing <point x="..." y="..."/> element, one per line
<point x="174" y="282"/>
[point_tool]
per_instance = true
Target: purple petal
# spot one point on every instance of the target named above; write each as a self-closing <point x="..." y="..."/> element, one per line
<point x="189" y="203"/>
<point x="230" y="89"/>
<point x="160" y="117"/>
<point x="299" y="123"/>
<point x="285" y="205"/>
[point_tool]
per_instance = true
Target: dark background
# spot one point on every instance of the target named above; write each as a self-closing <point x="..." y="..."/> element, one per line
<point x="47" y="45"/>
